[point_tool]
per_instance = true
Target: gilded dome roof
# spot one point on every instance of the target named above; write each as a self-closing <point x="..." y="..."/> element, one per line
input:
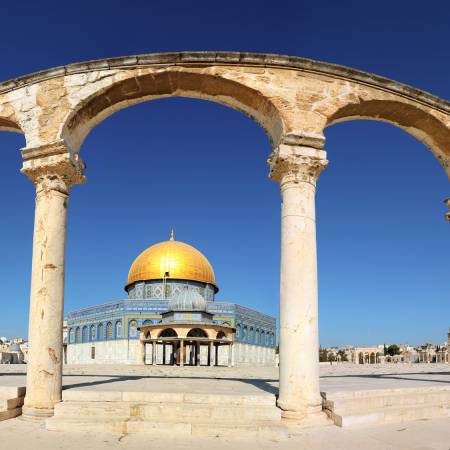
<point x="171" y="260"/>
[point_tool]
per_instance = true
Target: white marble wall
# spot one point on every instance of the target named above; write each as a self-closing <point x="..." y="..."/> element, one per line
<point x="130" y="352"/>
<point x="122" y="351"/>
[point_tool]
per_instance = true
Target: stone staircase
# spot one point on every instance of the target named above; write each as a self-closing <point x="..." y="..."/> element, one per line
<point x="387" y="405"/>
<point x="11" y="401"/>
<point x="175" y="414"/>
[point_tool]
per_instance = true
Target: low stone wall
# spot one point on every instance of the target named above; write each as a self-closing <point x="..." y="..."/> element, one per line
<point x="255" y="355"/>
<point x="121" y="351"/>
<point x="130" y="352"/>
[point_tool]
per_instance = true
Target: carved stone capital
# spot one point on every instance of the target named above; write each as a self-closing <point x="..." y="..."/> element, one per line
<point x="296" y="164"/>
<point x="53" y="167"/>
<point x="316" y="141"/>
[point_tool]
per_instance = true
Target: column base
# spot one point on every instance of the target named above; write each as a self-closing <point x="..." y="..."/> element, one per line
<point x="298" y="421"/>
<point x="30" y="413"/>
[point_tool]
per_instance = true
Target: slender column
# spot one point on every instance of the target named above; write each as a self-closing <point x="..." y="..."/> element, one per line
<point x="181" y="353"/>
<point x="154" y="347"/>
<point x="297" y="169"/>
<point x="197" y="353"/>
<point x="210" y="353"/>
<point x="53" y="170"/>
<point x="216" y="354"/>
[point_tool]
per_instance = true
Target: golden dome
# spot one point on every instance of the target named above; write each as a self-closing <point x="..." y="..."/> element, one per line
<point x="171" y="260"/>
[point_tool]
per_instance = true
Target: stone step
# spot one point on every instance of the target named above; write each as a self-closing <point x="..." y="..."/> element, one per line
<point x="168" y="411"/>
<point x="364" y="400"/>
<point x="11" y="392"/>
<point x="257" y="429"/>
<point x="396" y="414"/>
<point x="10" y="413"/>
<point x="167" y="397"/>
<point x="11" y="403"/>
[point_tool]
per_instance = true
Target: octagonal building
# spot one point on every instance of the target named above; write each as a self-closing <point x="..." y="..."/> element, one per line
<point x="170" y="317"/>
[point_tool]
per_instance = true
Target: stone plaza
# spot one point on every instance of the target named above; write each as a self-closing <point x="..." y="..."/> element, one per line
<point x="337" y="381"/>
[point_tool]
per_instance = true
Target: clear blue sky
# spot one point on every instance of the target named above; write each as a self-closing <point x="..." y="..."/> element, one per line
<point x="383" y="244"/>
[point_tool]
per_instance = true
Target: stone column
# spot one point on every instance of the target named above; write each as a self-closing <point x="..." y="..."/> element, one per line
<point x="53" y="170"/>
<point x="210" y="353"/>
<point x="297" y="168"/>
<point x="154" y="353"/>
<point x="181" y="353"/>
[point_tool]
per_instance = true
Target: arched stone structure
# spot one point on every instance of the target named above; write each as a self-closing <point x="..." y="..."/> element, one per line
<point x="293" y="99"/>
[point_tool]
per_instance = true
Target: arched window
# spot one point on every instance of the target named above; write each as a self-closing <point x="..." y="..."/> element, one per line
<point x="133" y="329"/>
<point x="263" y="337"/>
<point x="92" y="332"/>
<point x="251" y="335"/>
<point x="147" y="322"/>
<point x="71" y="336"/>
<point x="119" y="329"/>
<point x="197" y="332"/>
<point x="168" y="332"/>
<point x="221" y="335"/>
<point x="78" y="335"/>
<point x="267" y="338"/>
<point x="245" y="334"/>
<point x="109" y="331"/>
<point x="100" y="335"/>
<point x="238" y="331"/>
<point x="257" y="337"/>
<point x="84" y="334"/>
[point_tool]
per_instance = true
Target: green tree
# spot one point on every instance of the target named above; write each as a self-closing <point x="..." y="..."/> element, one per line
<point x="393" y="350"/>
<point x="323" y="355"/>
<point x="342" y="355"/>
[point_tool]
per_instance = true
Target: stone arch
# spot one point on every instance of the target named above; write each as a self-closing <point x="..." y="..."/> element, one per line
<point x="10" y="125"/>
<point x="78" y="335"/>
<point x="168" y="332"/>
<point x="221" y="335"/>
<point x="177" y="82"/>
<point x="424" y="126"/>
<point x="197" y="332"/>
<point x="360" y="358"/>
<point x="148" y="335"/>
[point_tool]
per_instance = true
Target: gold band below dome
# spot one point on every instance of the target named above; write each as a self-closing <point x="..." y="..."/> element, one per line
<point x="172" y="260"/>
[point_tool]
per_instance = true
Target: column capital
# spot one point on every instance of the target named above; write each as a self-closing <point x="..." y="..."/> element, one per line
<point x="53" y="167"/>
<point x="295" y="163"/>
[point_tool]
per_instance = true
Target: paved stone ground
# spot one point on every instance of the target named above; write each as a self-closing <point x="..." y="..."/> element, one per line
<point x="342" y="377"/>
<point x="420" y="435"/>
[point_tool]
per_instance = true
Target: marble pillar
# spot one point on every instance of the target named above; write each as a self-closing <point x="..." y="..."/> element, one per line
<point x="297" y="169"/>
<point x="53" y="170"/>
<point x="181" y="353"/>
